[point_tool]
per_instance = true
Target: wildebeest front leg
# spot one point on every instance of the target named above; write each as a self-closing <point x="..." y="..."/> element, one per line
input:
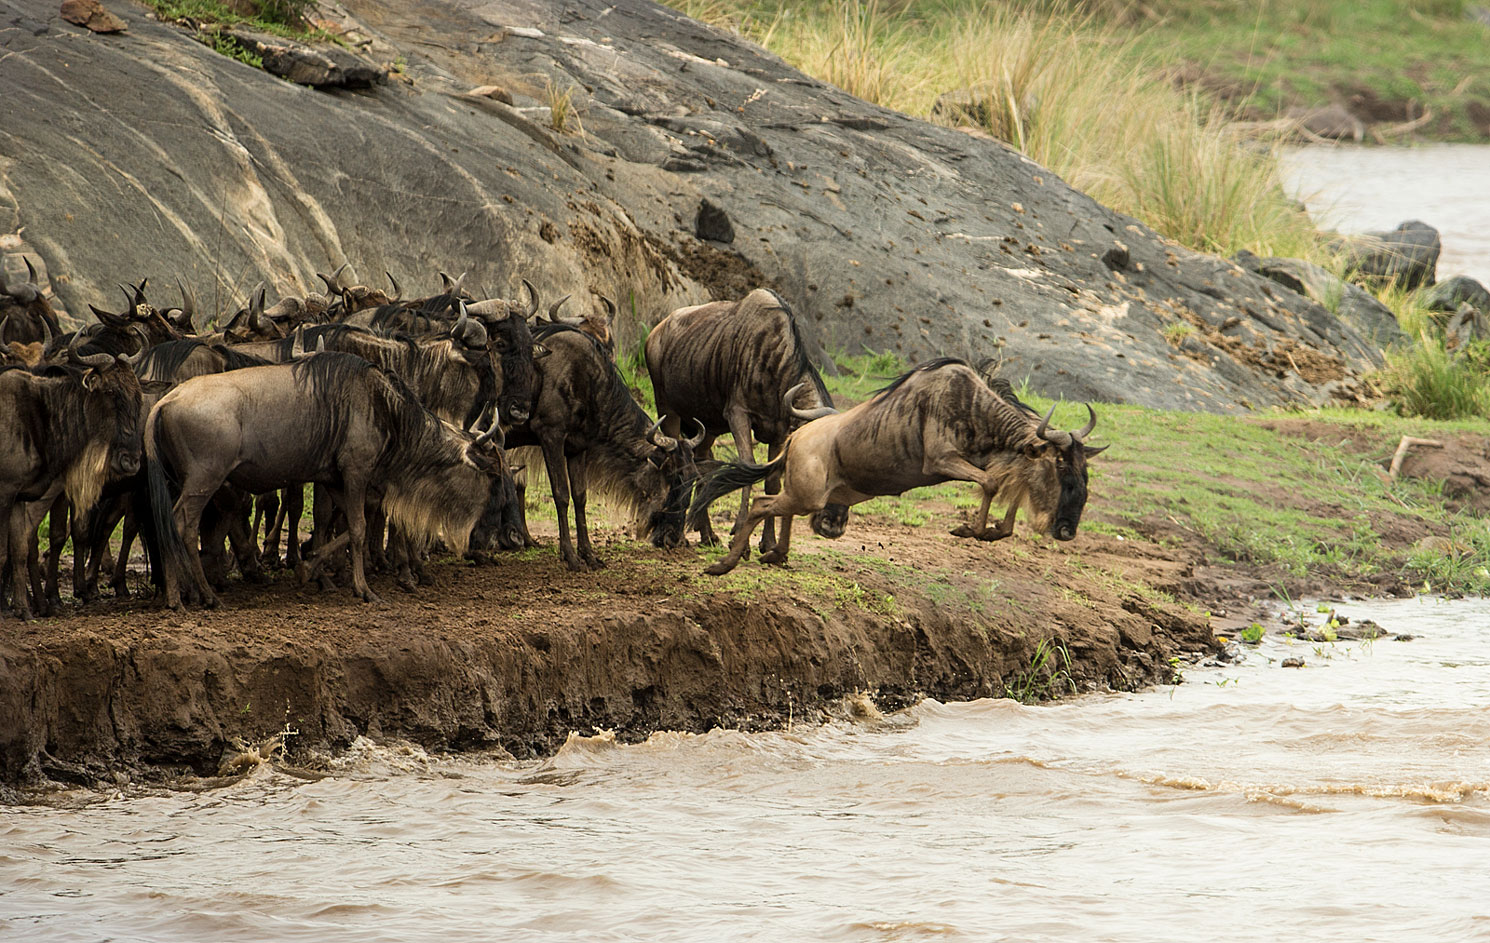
<point x="120" y="582"/>
<point x="705" y="453"/>
<point x="773" y="488"/>
<point x="355" y="505"/>
<point x="959" y="469"/>
<point x="739" y="427"/>
<point x="13" y="520"/>
<point x="578" y="471"/>
<point x="558" y="480"/>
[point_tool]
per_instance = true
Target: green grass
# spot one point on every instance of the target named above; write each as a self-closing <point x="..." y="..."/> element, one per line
<point x="280" y="17"/>
<point x="1264" y="58"/>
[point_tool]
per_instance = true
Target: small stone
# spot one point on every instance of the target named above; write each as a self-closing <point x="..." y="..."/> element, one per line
<point x="92" y="15"/>
<point x="1293" y="661"/>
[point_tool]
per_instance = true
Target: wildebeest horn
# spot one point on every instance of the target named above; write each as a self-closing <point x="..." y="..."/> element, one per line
<point x="256" y="308"/>
<point x="533" y="299"/>
<point x="702" y="431"/>
<point x="806" y="415"/>
<point x="321" y="344"/>
<point x="297" y="346"/>
<point x="139" y="297"/>
<point x="470" y="333"/>
<point x="188" y="306"/>
<point x="610" y="308"/>
<point x="91" y="360"/>
<point x="1086" y="430"/>
<point x="1043" y="430"/>
<point x="336" y="275"/>
<point x="133" y="360"/>
<point x="452" y="285"/>
<point x="662" y="441"/>
<point x="397" y="291"/>
<point x="5" y="323"/>
<point x="26" y="293"/>
<point x="553" y="309"/>
<point x="330" y="283"/>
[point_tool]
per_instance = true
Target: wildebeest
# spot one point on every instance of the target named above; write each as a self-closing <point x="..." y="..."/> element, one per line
<point x="938" y="422"/>
<point x="331" y="418"/>
<point x="26" y="316"/>
<point x="77" y="425"/>
<point x="592" y="431"/>
<point x="739" y="367"/>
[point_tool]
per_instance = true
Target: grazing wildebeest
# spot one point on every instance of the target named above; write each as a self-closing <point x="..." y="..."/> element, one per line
<point x="68" y="429"/>
<point x="592" y="431"/>
<point x="333" y="419"/>
<point x="938" y="422"/>
<point x="739" y="367"/>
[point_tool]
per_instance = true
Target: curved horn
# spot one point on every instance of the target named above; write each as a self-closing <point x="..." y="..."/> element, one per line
<point x="610" y="308"/>
<point x="188" y="303"/>
<point x="533" y="303"/>
<point x="553" y="309"/>
<point x="1086" y="430"/>
<point x="398" y="292"/>
<point x="30" y="271"/>
<point x="336" y="275"/>
<point x="130" y="304"/>
<point x="139" y="297"/>
<point x="132" y="360"/>
<point x="97" y="361"/>
<point x="470" y="333"/>
<point x="702" y="432"/>
<point x="330" y="282"/>
<point x="452" y="285"/>
<point x="665" y="442"/>
<point x="5" y="323"/>
<point x="806" y="415"/>
<point x="256" y="308"/>
<point x="46" y="334"/>
<point x="1043" y="430"/>
<point x="297" y="345"/>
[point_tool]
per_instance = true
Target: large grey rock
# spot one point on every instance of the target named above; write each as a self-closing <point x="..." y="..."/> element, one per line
<point x="1450" y="293"/>
<point x="884" y="232"/>
<point x="1407" y="255"/>
<point x="1369" y="318"/>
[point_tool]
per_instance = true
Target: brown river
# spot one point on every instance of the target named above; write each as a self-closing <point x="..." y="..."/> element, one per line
<point x="1346" y="800"/>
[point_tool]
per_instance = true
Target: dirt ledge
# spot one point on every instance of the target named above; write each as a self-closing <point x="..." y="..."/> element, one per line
<point x="517" y="654"/>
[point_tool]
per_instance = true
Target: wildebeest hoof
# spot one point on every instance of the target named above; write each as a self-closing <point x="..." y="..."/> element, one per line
<point x="370" y="597"/>
<point x="774" y="557"/>
<point x="407" y="584"/>
<point x="720" y="568"/>
<point x="121" y="591"/>
<point x="576" y="564"/>
<point x="964" y="531"/>
<point x="302" y="574"/>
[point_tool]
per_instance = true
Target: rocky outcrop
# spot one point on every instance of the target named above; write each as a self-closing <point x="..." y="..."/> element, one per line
<point x="1407" y="255"/>
<point x="322" y="67"/>
<point x="884" y="232"/>
<point x="1450" y="293"/>
<point x="1357" y="307"/>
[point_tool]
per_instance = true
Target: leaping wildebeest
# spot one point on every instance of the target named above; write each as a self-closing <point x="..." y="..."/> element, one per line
<point x="330" y="418"/>
<point x="938" y="422"/>
<point x="739" y="367"/>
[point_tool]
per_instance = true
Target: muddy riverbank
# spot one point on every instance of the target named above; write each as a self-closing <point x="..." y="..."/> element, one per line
<point x="516" y="654"/>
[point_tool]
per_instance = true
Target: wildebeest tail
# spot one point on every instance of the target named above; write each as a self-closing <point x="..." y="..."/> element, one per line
<point x="732" y="476"/>
<point x="158" y="528"/>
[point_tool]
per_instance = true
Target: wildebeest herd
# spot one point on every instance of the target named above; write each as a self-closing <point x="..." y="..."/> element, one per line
<point x="401" y="413"/>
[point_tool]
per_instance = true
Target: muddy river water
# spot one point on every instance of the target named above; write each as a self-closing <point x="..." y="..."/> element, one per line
<point x="1344" y="800"/>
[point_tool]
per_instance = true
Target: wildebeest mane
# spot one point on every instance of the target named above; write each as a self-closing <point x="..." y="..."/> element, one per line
<point x="163" y="360"/>
<point x="927" y="367"/>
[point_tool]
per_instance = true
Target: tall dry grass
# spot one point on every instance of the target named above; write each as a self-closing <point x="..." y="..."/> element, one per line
<point x="1073" y="94"/>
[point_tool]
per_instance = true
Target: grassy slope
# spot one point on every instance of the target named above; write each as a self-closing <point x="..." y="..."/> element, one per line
<point x="1270" y="56"/>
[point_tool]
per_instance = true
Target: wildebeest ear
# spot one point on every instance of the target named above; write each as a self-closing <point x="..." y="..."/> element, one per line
<point x="1036" y="449"/>
<point x="1091" y="450"/>
<point x="539" y="351"/>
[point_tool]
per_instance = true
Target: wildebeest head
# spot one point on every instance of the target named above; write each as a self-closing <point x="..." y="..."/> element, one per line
<point x="1057" y="477"/>
<point x="113" y="397"/>
<point x="662" y="517"/>
<point x="25" y="310"/>
<point x="511" y="343"/>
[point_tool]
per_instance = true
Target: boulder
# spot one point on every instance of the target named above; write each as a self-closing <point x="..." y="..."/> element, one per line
<point x="91" y="15"/>
<point x="1351" y="303"/>
<point x="1468" y="324"/>
<point x="1449" y="294"/>
<point x="1332" y="121"/>
<point x="1407" y="255"/>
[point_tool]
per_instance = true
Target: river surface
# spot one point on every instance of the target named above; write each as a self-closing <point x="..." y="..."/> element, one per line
<point x="1355" y="189"/>
<point x="1345" y="800"/>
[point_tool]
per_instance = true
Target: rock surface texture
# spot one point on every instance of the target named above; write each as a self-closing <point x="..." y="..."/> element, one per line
<point x="145" y="153"/>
